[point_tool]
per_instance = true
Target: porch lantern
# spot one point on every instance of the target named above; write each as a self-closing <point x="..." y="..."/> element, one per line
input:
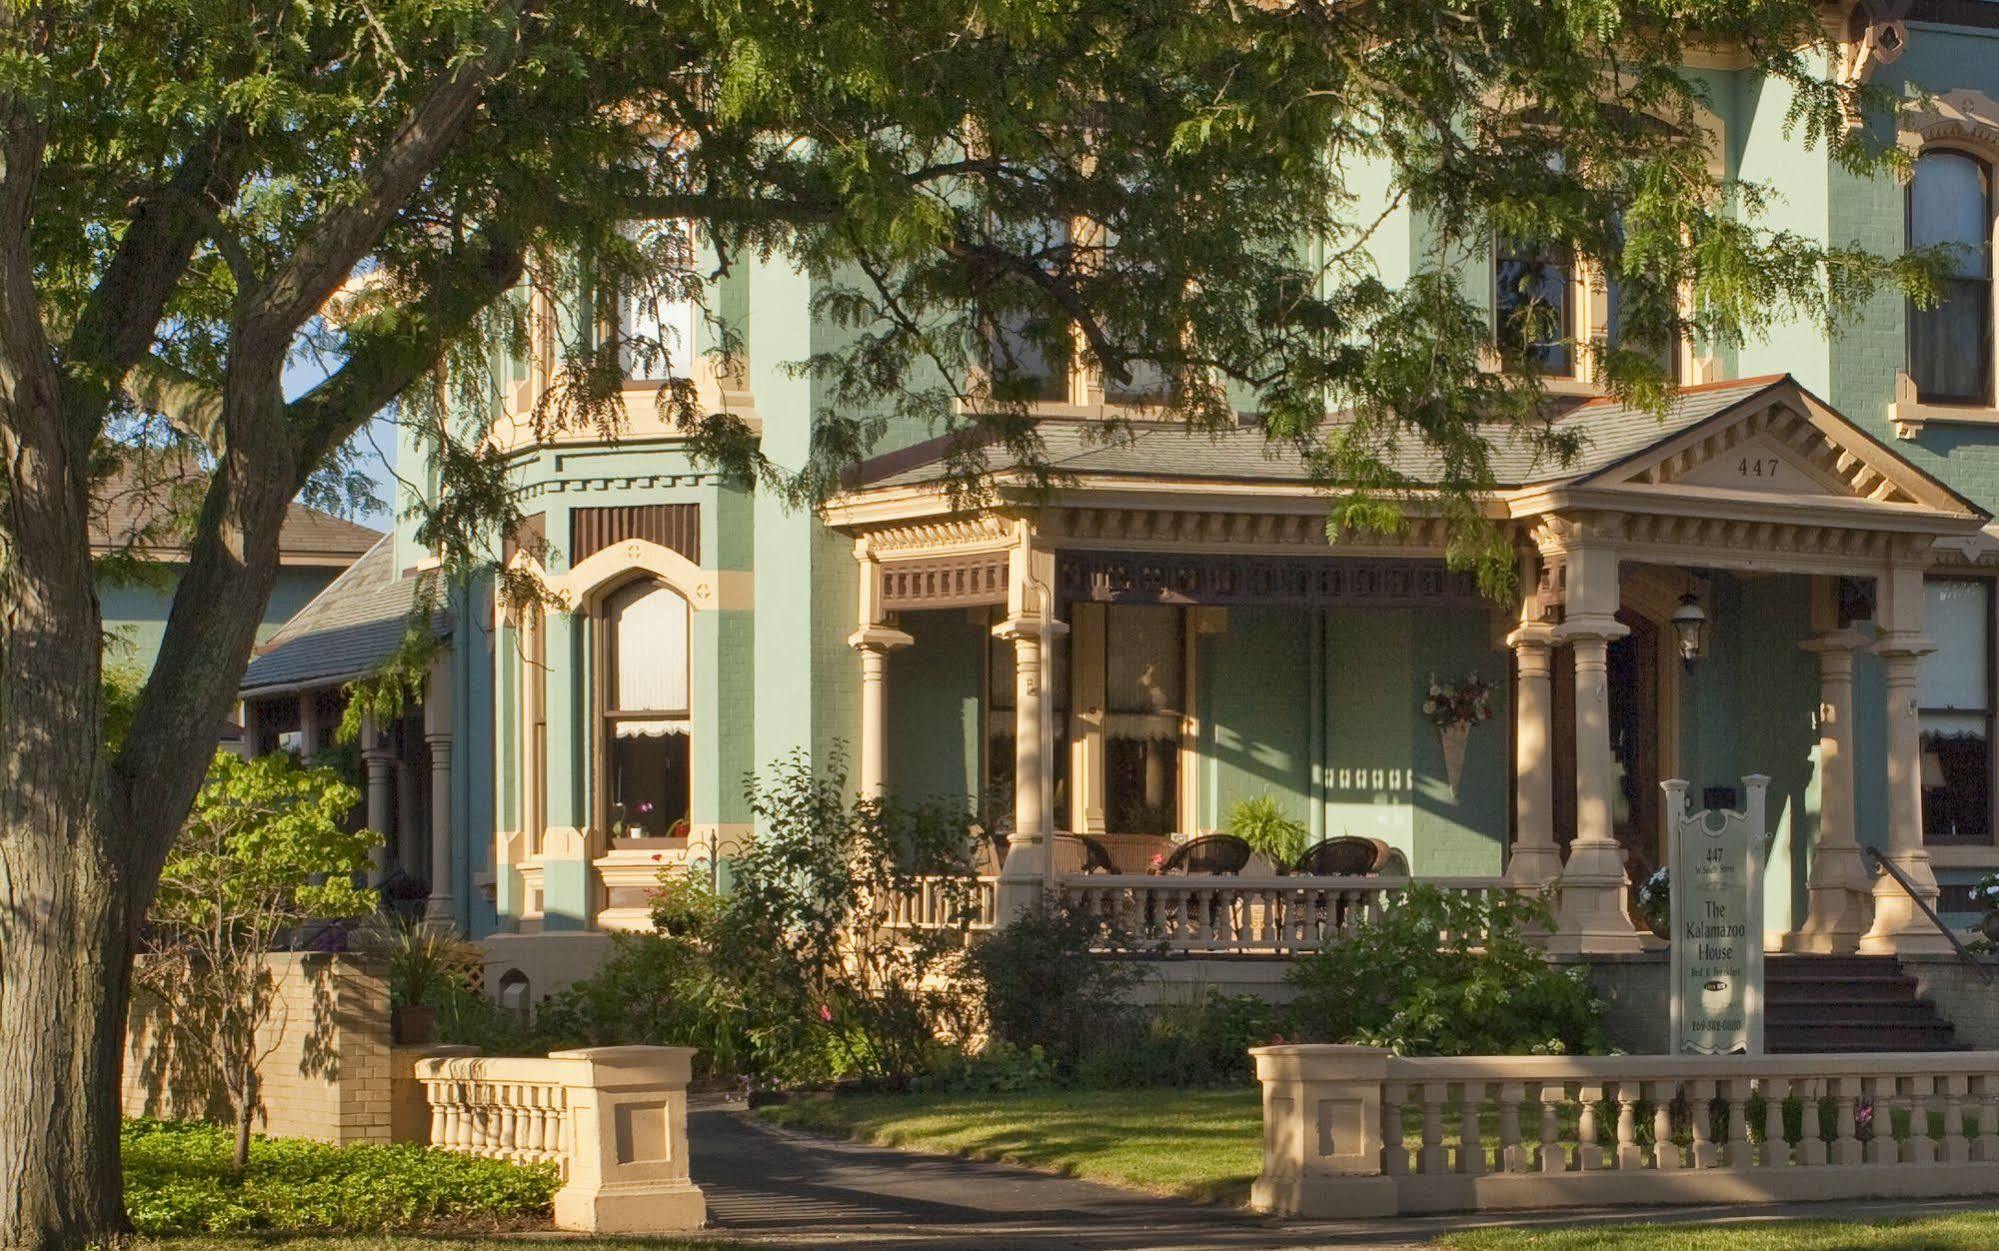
<point x="1690" y="623"/>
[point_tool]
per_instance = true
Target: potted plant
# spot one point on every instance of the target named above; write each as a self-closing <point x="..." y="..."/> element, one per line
<point x="425" y="965"/>
<point x="1655" y="902"/>
<point x="1985" y="895"/>
<point x="1269" y="830"/>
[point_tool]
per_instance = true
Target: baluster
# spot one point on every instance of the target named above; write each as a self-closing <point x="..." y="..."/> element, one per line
<point x="1549" y="1156"/>
<point x="509" y="1121"/>
<point x="1811" y="1135"/>
<point x="1956" y="1147"/>
<point x="1471" y="1137"/>
<point x="1434" y="1157"/>
<point x="1512" y="1153"/>
<point x="1775" y="1151"/>
<point x="431" y="1095"/>
<point x="1985" y="1089"/>
<point x="1394" y="1150"/>
<point x="1589" y="1153"/>
<point x="1737" y="1154"/>
<point x="1665" y="1152"/>
<point x="1921" y="1148"/>
<point x="1629" y="1154"/>
<point x="1881" y="1148"/>
<point x="1700" y="1109"/>
<point x="1846" y="1145"/>
<point x="461" y="1123"/>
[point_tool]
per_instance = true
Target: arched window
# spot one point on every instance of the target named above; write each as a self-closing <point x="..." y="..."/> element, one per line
<point x="1950" y="345"/>
<point x="644" y="700"/>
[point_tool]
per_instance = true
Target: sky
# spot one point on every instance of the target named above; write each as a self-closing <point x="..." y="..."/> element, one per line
<point x="378" y="444"/>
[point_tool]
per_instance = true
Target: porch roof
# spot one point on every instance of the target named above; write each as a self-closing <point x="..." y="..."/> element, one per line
<point x="347" y="629"/>
<point x="1611" y="432"/>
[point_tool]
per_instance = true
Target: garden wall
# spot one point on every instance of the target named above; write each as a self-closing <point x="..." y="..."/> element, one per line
<point x="1962" y="997"/>
<point x="326" y="1069"/>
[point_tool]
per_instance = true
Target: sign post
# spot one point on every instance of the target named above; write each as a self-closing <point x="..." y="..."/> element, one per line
<point x="1717" y="929"/>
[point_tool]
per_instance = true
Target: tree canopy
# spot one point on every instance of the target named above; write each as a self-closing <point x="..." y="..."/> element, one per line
<point x="197" y="194"/>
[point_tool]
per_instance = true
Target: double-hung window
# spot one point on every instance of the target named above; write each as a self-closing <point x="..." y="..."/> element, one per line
<point x="1954" y="698"/>
<point x="647" y="725"/>
<point x="1950" y="344"/>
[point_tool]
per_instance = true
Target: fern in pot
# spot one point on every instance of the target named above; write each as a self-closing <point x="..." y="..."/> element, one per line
<point x="1269" y="830"/>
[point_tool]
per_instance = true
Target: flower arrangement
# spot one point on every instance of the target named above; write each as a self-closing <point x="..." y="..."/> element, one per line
<point x="1655" y="901"/>
<point x="1450" y="704"/>
<point x="1986" y="893"/>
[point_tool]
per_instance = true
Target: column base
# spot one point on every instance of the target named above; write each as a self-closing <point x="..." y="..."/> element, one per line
<point x="1022" y="880"/>
<point x="1841" y="905"/>
<point x="1531" y="868"/>
<point x="1900" y="928"/>
<point x="1591" y="918"/>
<point x="632" y="1209"/>
<point x="440" y="914"/>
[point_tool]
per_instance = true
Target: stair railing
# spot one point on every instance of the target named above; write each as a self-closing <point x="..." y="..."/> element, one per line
<point x="1909" y="888"/>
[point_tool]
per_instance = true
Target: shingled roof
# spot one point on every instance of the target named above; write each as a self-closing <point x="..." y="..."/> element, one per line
<point x="347" y="629"/>
<point x="1611" y="431"/>
<point x="135" y="511"/>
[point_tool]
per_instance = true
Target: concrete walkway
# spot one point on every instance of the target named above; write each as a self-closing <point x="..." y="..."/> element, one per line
<point x="766" y="1184"/>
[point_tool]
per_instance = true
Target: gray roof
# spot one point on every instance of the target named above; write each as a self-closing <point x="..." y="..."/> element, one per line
<point x="1611" y="431"/>
<point x="347" y="629"/>
<point x="146" y="506"/>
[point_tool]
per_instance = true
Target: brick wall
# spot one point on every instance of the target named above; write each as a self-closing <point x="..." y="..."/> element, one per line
<point x="326" y="1069"/>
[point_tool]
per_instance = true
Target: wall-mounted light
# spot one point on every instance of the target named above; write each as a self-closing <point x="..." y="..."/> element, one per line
<point x="1690" y="623"/>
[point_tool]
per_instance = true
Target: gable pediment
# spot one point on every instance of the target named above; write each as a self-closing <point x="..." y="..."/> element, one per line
<point x="1782" y="444"/>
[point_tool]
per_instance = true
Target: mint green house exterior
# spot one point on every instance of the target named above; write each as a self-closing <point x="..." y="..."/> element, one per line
<point x="1111" y="668"/>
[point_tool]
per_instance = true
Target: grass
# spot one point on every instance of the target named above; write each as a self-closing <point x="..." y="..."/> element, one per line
<point x="1195" y="1144"/>
<point x="1960" y="1231"/>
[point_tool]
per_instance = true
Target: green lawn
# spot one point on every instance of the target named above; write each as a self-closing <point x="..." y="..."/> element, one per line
<point x="1200" y="1144"/>
<point x="1962" y="1231"/>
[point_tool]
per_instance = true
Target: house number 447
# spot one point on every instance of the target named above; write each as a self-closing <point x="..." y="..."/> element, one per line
<point x="1757" y="467"/>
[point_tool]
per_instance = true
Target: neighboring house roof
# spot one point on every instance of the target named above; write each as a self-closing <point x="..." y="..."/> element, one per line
<point x="347" y="629"/>
<point x="1611" y="432"/>
<point x="134" y="511"/>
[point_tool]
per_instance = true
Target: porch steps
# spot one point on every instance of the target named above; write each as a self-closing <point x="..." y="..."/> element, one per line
<point x="1847" y="1003"/>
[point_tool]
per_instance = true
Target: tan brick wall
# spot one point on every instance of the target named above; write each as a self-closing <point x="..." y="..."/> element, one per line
<point x="326" y="1069"/>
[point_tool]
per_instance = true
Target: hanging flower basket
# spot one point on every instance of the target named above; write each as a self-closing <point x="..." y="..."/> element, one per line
<point x="1454" y="708"/>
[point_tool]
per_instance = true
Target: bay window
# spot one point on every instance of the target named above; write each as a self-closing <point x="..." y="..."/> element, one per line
<point x="655" y="319"/>
<point x="1534" y="306"/>
<point x="1950" y="344"/>
<point x="643" y="631"/>
<point x="1954" y="696"/>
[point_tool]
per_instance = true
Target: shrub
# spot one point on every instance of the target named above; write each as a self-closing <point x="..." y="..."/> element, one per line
<point x="1267" y="828"/>
<point x="178" y="1181"/>
<point x="658" y="989"/>
<point x="1448" y="974"/>
<point x="1045" y="989"/>
<point x="1199" y="1041"/>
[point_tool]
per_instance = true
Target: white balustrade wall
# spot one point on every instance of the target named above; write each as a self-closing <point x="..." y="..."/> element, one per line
<point x="613" y="1120"/>
<point x="946" y="903"/>
<point x="1354" y="1131"/>
<point x="1265" y="914"/>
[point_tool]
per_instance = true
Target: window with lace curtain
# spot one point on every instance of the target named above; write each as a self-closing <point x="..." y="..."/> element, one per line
<point x="1145" y="694"/>
<point x="1950" y="343"/>
<point x="647" y="729"/>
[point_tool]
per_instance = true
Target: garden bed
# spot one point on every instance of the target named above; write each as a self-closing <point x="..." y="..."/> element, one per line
<point x="177" y="1181"/>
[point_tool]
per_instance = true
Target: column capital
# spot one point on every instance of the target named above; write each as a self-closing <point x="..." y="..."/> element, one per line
<point x="878" y="638"/>
<point x="1015" y="628"/>
<point x="1532" y="634"/>
<point x="1904" y="643"/>
<point x="1594" y="627"/>
<point x="1835" y="642"/>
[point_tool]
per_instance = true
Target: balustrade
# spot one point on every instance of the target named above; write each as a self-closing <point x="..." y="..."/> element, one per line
<point x="1268" y="914"/>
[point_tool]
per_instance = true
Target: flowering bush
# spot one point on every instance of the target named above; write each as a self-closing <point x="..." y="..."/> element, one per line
<point x="1986" y="893"/>
<point x="1655" y="900"/>
<point x="1458" y="703"/>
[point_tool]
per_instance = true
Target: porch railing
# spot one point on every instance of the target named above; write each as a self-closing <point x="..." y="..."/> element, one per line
<point x="1260" y="915"/>
<point x="1356" y="1131"/>
<point x="946" y="903"/>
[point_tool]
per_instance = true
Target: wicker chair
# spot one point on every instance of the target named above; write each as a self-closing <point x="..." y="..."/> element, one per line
<point x="1079" y="853"/>
<point x="1345" y="856"/>
<point x="1211" y="853"/>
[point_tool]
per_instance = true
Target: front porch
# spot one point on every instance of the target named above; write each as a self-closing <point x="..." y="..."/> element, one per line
<point x="1170" y="632"/>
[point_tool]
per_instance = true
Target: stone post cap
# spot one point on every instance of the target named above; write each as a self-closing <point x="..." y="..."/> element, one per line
<point x="1332" y="1062"/>
<point x="631" y="1065"/>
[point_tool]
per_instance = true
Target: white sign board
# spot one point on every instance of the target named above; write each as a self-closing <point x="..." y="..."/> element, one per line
<point x="1717" y="930"/>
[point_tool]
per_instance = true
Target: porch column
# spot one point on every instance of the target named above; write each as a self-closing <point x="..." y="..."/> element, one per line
<point x="380" y="759"/>
<point x="1839" y="882"/>
<point x="308" y="726"/>
<point x="1899" y="924"/>
<point x="1027" y="859"/>
<point x="1535" y="860"/>
<point x="1593" y="917"/>
<point x="440" y="910"/>
<point x="408" y="841"/>
<point x="874" y="643"/>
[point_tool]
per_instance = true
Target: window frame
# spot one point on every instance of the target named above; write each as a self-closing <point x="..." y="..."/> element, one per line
<point x="1990" y="713"/>
<point x="604" y="645"/>
<point x="1989" y="170"/>
<point x="1504" y="250"/>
